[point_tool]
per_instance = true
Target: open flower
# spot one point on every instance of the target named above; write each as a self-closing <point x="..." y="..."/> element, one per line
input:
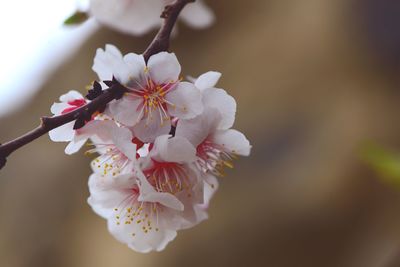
<point x="66" y="133"/>
<point x="145" y="209"/>
<point x="155" y="93"/>
<point x="142" y="225"/>
<point x="116" y="146"/>
<point x="216" y="144"/>
<point x="168" y="168"/>
<point x="161" y="195"/>
<point x="140" y="16"/>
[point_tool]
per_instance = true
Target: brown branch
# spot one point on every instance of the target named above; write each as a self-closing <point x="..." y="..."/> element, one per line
<point x="162" y="39"/>
<point x="159" y="44"/>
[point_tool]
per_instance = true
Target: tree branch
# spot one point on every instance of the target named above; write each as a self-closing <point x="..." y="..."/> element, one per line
<point x="159" y="44"/>
<point x="162" y="39"/>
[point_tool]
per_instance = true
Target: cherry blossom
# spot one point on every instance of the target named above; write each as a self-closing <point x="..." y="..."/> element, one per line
<point x="159" y="141"/>
<point x="66" y="133"/>
<point x="116" y="146"/>
<point x="159" y="147"/>
<point x="140" y="16"/>
<point x="161" y="195"/>
<point x="155" y="92"/>
<point x="216" y="144"/>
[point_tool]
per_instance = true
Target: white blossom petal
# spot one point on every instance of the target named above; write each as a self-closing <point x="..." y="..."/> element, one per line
<point x="107" y="62"/>
<point x="198" y="15"/>
<point x="233" y="141"/>
<point x="207" y="80"/>
<point x="176" y="149"/>
<point x="141" y="242"/>
<point x="148" y="129"/>
<point x="186" y="101"/>
<point x="122" y="138"/>
<point x="149" y="194"/>
<point x="224" y="103"/>
<point x="164" y="68"/>
<point x="106" y="194"/>
<point x="196" y="130"/>
<point x="75" y="145"/>
<point x="126" y="110"/>
<point x="166" y="199"/>
<point x="130" y="16"/>
<point x="136" y="66"/>
<point x="64" y="133"/>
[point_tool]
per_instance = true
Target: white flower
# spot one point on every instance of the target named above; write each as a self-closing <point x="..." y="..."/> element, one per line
<point x="168" y="169"/>
<point x="117" y="148"/>
<point x="140" y="16"/>
<point x="216" y="144"/>
<point x="146" y="207"/>
<point x="144" y="226"/>
<point x="155" y="93"/>
<point x="66" y="133"/>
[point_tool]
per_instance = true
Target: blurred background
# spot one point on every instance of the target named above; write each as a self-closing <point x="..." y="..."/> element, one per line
<point x="315" y="81"/>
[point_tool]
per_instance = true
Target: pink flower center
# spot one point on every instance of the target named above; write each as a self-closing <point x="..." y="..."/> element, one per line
<point x="213" y="158"/>
<point x="169" y="177"/>
<point x="153" y="98"/>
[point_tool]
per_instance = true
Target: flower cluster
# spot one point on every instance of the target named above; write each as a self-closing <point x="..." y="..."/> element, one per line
<point x="159" y="147"/>
<point x="140" y="16"/>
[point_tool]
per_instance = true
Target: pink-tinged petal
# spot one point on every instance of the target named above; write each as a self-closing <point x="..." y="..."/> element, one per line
<point x="136" y="239"/>
<point x="224" y="103"/>
<point x="98" y="129"/>
<point x="196" y="130"/>
<point x="122" y="138"/>
<point x="186" y="101"/>
<point x="165" y="199"/>
<point x="106" y="194"/>
<point x="198" y="15"/>
<point x="133" y="17"/>
<point x="70" y="96"/>
<point x="232" y="141"/>
<point x="64" y="133"/>
<point x="149" y="194"/>
<point x="164" y="68"/>
<point x="207" y="80"/>
<point x="211" y="185"/>
<point x="58" y="108"/>
<point x="126" y="110"/>
<point x="176" y="149"/>
<point x="74" y="146"/>
<point x="151" y="126"/>
<point x="193" y="213"/>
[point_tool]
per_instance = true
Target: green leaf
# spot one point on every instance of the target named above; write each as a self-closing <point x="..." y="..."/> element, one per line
<point x="77" y="18"/>
<point x="384" y="162"/>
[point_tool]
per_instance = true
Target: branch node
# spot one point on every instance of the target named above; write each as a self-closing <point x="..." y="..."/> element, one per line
<point x="44" y="120"/>
<point x="167" y="11"/>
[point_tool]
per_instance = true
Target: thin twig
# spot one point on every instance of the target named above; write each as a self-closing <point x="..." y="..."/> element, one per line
<point x="159" y="44"/>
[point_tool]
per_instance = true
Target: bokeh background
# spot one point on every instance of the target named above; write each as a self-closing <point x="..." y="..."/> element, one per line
<point x="315" y="81"/>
